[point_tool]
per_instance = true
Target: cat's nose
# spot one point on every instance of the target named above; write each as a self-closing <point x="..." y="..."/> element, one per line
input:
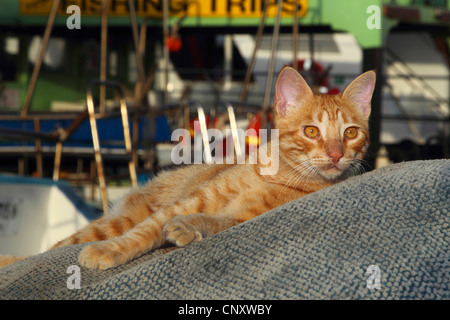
<point x="335" y="155"/>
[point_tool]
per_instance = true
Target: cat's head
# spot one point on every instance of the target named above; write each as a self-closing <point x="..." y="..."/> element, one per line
<point x="322" y="135"/>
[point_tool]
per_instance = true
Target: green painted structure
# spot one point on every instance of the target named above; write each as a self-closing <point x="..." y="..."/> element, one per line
<point x="370" y="27"/>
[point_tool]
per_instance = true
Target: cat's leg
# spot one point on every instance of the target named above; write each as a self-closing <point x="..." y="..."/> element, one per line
<point x="106" y="254"/>
<point x="7" y="260"/>
<point x="145" y="236"/>
<point x="182" y="230"/>
<point x="135" y="208"/>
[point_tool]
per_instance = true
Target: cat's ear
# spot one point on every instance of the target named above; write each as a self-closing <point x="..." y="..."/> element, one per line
<point x="290" y="90"/>
<point x="359" y="92"/>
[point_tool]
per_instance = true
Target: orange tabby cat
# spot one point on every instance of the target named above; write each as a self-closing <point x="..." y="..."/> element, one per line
<point x="321" y="138"/>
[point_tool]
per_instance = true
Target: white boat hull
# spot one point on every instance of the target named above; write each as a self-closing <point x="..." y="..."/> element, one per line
<point x="37" y="213"/>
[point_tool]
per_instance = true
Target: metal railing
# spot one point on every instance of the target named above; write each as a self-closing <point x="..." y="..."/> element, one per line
<point x="96" y="141"/>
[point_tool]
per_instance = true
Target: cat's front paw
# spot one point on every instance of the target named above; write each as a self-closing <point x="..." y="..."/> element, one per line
<point x="102" y="255"/>
<point x="180" y="231"/>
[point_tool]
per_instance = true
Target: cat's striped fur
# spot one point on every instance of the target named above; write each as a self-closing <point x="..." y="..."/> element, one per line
<point x="197" y="201"/>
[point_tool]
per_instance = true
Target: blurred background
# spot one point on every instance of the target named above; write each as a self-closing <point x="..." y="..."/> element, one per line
<point x="89" y="96"/>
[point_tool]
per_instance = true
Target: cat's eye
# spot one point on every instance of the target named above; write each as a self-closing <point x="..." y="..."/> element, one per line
<point x="312" y="132"/>
<point x="351" y="132"/>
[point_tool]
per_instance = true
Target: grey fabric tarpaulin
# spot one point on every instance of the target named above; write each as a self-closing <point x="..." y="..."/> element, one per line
<point x="381" y="235"/>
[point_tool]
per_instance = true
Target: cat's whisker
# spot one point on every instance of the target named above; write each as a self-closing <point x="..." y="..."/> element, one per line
<point x="356" y="166"/>
<point x="299" y="173"/>
<point x="311" y="170"/>
<point x="293" y="173"/>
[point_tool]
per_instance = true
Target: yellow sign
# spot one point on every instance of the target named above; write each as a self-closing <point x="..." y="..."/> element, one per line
<point x="154" y="8"/>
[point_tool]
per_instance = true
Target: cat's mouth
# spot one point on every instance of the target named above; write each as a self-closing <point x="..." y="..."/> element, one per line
<point x="329" y="166"/>
<point x="328" y="170"/>
<point x="331" y="171"/>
